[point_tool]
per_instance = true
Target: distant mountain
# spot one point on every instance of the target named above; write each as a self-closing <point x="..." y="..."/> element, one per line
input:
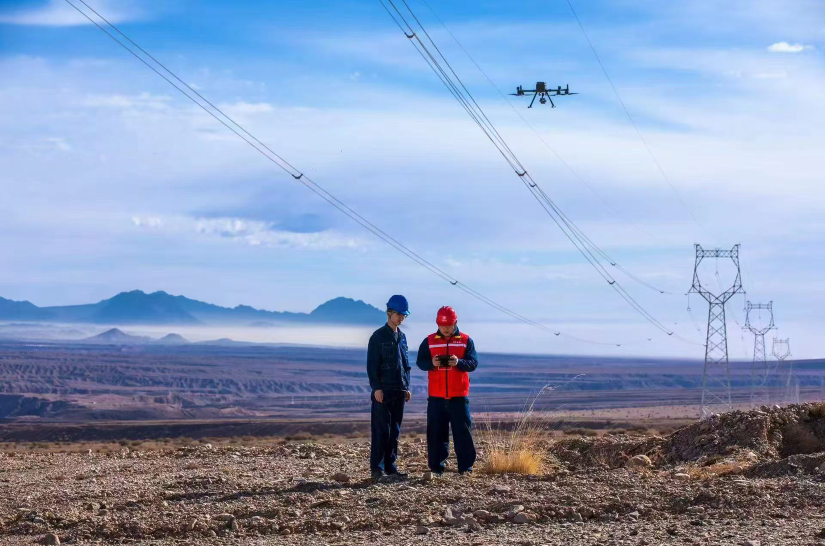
<point x="172" y="339"/>
<point x="21" y="310"/>
<point x="138" y="307"/>
<point x="341" y="310"/>
<point x="225" y="342"/>
<point x="116" y="337"/>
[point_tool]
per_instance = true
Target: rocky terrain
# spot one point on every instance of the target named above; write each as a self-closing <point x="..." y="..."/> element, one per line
<point x="744" y="478"/>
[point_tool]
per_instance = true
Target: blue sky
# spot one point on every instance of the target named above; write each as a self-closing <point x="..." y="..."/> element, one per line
<point x="112" y="181"/>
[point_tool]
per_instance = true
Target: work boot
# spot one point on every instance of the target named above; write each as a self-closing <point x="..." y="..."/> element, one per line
<point x="397" y="476"/>
<point x="377" y="475"/>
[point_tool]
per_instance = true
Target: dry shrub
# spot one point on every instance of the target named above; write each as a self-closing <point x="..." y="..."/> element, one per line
<point x="799" y="439"/>
<point x="518" y="450"/>
<point x="817" y="411"/>
<point x="716" y="469"/>
<point x="580" y="431"/>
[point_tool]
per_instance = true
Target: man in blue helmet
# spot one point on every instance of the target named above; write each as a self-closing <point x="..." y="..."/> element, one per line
<point x="388" y="368"/>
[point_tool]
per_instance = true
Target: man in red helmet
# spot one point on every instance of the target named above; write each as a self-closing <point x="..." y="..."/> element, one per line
<point x="448" y="356"/>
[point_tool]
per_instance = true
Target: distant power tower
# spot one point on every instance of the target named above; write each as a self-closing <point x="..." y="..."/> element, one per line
<point x="759" y="371"/>
<point x="716" y="376"/>
<point x="787" y="378"/>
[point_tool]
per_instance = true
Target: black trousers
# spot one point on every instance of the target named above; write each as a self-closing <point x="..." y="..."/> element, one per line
<point x="386" y="420"/>
<point x="442" y="415"/>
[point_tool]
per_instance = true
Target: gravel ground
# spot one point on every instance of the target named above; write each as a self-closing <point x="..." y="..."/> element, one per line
<point x="698" y="486"/>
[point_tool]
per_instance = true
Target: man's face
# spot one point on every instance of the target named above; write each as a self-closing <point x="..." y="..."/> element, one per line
<point x="446" y="331"/>
<point x="395" y="319"/>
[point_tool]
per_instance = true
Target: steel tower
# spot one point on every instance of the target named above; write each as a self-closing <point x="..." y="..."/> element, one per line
<point x="716" y="375"/>
<point x="759" y="369"/>
<point x="787" y="379"/>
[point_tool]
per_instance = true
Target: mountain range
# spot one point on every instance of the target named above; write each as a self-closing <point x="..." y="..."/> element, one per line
<point x="160" y="308"/>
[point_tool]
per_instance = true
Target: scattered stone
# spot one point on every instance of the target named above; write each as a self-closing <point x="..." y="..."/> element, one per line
<point x="516" y="509"/>
<point x="428" y="476"/>
<point x="639" y="461"/>
<point x="751" y="543"/>
<point x="498" y="488"/>
<point x="482" y="514"/>
<point x="587" y="512"/>
<point x="51" y="539"/>
<point x="224" y="517"/>
<point x="521" y="518"/>
<point x="421" y="530"/>
<point x="340" y="477"/>
<point x="682" y="477"/>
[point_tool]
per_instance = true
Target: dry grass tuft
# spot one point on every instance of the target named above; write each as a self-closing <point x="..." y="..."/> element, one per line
<point x="523" y="461"/>
<point x="520" y="449"/>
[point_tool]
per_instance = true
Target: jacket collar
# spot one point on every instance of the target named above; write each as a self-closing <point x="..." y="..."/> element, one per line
<point x="456" y="334"/>
<point x="390" y="330"/>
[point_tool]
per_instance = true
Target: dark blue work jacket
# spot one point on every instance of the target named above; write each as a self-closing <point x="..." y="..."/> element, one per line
<point x="388" y="363"/>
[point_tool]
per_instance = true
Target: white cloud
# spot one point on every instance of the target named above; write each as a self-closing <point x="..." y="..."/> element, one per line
<point x="58" y="13"/>
<point x="152" y="222"/>
<point x="785" y="47"/>
<point x="142" y="101"/>
<point x="242" y="108"/>
<point x="256" y="233"/>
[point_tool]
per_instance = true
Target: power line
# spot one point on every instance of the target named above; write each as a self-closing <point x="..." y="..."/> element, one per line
<point x="583" y="244"/>
<point x="310" y="184"/>
<point x="555" y="153"/>
<point x="633" y="122"/>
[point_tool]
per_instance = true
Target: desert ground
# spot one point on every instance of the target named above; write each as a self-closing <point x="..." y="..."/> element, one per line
<point x="755" y="477"/>
<point x="47" y="382"/>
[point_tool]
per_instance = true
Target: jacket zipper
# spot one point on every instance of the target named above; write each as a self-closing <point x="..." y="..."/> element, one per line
<point x="447" y="373"/>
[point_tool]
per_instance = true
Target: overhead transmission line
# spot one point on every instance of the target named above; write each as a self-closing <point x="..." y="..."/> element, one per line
<point x="456" y="87"/>
<point x="555" y="153"/>
<point x="304" y="179"/>
<point x="633" y="123"/>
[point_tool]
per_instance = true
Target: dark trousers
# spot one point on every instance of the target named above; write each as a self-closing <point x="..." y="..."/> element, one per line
<point x="442" y="415"/>
<point x="386" y="420"/>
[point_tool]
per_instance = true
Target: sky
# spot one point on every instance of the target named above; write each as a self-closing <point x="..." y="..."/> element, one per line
<point x="111" y="180"/>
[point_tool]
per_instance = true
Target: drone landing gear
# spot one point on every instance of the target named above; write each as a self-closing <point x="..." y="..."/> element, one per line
<point x="543" y="98"/>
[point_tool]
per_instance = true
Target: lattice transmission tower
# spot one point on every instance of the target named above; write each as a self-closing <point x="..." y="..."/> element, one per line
<point x="787" y="378"/>
<point x="716" y="395"/>
<point x="760" y="372"/>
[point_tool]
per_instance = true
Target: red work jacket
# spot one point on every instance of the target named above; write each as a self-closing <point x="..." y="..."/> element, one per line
<point x="448" y="382"/>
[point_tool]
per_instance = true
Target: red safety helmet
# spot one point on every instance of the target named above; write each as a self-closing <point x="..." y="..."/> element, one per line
<point x="446" y="316"/>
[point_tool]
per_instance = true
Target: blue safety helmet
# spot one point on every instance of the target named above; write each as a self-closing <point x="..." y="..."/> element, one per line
<point x="399" y="305"/>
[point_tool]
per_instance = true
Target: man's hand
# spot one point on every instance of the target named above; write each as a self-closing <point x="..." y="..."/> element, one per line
<point x="407" y="396"/>
<point x="453" y="361"/>
<point x="436" y="363"/>
<point x="379" y="396"/>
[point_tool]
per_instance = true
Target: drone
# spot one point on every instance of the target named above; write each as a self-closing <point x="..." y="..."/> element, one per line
<point x="543" y="93"/>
